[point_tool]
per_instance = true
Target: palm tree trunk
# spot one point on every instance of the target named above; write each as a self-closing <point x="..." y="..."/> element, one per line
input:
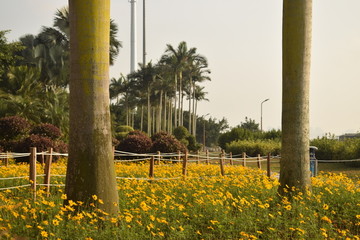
<point x="175" y="100"/>
<point x="190" y="117"/>
<point x="142" y="117"/>
<point x="160" y="109"/>
<point x="195" y="118"/>
<point x="295" y="163"/>
<point x="194" y="113"/>
<point x="164" y="121"/>
<point x="148" y="112"/>
<point x="153" y="120"/>
<point x="180" y="99"/>
<point x="90" y="165"/>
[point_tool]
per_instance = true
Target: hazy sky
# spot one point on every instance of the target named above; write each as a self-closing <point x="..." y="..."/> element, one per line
<point x="242" y="41"/>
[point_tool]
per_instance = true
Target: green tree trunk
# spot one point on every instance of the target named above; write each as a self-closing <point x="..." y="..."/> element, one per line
<point x="295" y="163"/>
<point x="90" y="168"/>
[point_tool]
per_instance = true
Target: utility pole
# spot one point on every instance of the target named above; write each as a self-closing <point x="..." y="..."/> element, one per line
<point x="133" y="37"/>
<point x="144" y="34"/>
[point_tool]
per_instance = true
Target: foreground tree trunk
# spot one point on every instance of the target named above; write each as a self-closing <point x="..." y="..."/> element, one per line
<point x="295" y="163"/>
<point x="90" y="167"/>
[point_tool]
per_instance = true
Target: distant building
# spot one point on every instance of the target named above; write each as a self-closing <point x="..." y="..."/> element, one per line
<point x="349" y="136"/>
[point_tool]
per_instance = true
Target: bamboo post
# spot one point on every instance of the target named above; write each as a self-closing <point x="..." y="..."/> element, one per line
<point x="231" y="159"/>
<point x="184" y="169"/>
<point x="158" y="157"/>
<point x="198" y="157"/>
<point x="268" y="165"/>
<point x="207" y="156"/>
<point x="244" y="159"/>
<point x="152" y="163"/>
<point x="48" y="162"/>
<point x="32" y="176"/>
<point x="7" y="159"/>
<point x="222" y="163"/>
<point x="258" y="161"/>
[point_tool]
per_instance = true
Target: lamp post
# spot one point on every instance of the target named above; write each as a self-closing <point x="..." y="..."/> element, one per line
<point x="261" y="128"/>
<point x="204" y="136"/>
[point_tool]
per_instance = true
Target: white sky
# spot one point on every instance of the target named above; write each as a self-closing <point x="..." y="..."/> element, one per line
<point x="242" y="41"/>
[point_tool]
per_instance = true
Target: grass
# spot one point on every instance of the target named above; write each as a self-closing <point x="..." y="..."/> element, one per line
<point x="243" y="205"/>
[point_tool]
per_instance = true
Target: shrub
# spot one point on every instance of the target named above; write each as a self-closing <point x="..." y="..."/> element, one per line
<point x="253" y="148"/>
<point x="61" y="147"/>
<point x="138" y="143"/>
<point x="192" y="145"/>
<point x="166" y="143"/>
<point x="124" y="128"/>
<point x="46" y="130"/>
<point x="122" y="131"/>
<point x="40" y="142"/>
<point x="7" y="145"/>
<point x="13" y="127"/>
<point x="181" y="132"/>
<point x="137" y="132"/>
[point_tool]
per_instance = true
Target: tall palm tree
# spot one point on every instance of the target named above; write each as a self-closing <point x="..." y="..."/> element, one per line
<point x="199" y="95"/>
<point x="50" y="49"/>
<point x="90" y="169"/>
<point x="295" y="163"/>
<point x="143" y="79"/>
<point x="179" y="58"/>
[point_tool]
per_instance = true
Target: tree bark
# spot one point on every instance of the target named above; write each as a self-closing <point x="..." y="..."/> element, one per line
<point x="295" y="162"/>
<point x="90" y="168"/>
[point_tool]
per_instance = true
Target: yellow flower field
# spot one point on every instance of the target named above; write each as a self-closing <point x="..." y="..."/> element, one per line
<point x="241" y="205"/>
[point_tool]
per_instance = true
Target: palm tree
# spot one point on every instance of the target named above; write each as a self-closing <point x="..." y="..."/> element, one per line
<point x="199" y="95"/>
<point x="90" y="169"/>
<point x="294" y="165"/>
<point x="179" y="58"/>
<point x="50" y="49"/>
<point x="143" y="79"/>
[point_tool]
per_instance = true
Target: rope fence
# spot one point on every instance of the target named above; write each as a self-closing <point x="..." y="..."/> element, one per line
<point x="154" y="158"/>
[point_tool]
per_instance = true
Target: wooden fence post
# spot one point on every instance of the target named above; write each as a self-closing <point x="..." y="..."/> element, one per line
<point x="48" y="162"/>
<point x="179" y="156"/>
<point x="268" y="165"/>
<point x="152" y="163"/>
<point x="42" y="159"/>
<point x="222" y="163"/>
<point x="7" y="159"/>
<point x="184" y="169"/>
<point x="32" y="176"/>
<point x="207" y="156"/>
<point x="198" y="157"/>
<point x="244" y="159"/>
<point x="231" y="159"/>
<point x="258" y="161"/>
<point x="158" y="157"/>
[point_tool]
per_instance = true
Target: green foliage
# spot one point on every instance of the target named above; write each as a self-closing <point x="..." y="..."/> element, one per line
<point x="13" y="127"/>
<point x="210" y="129"/>
<point x="254" y="147"/>
<point x="250" y="125"/>
<point x="192" y="144"/>
<point x="181" y="132"/>
<point x="332" y="149"/>
<point x="166" y="143"/>
<point x="8" y="57"/>
<point x="124" y="128"/>
<point x="122" y="131"/>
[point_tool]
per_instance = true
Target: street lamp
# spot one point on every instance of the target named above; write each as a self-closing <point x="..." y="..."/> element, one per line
<point x="204" y="136"/>
<point x="261" y="128"/>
